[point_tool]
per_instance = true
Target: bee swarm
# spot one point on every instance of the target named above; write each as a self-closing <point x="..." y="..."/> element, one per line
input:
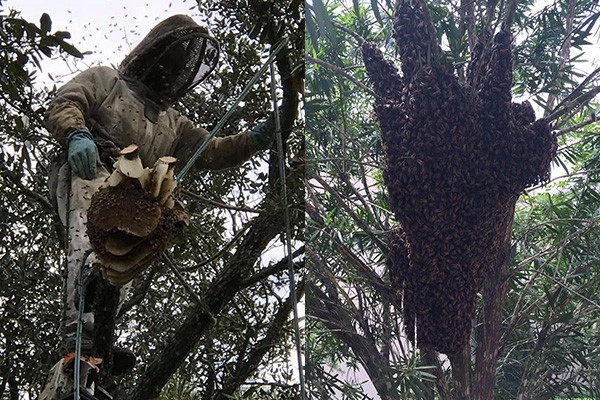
<point x="459" y="153"/>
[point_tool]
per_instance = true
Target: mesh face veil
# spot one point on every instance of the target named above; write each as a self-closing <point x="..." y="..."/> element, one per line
<point x="181" y="66"/>
<point x="171" y="60"/>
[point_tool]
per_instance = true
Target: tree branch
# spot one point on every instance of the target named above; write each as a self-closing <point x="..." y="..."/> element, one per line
<point x="217" y="203"/>
<point x="343" y="73"/>
<point x="44" y="202"/>
<point x="264" y="228"/>
<point x="255" y="356"/>
<point x="430" y="357"/>
<point x="310" y="174"/>
<point x="576" y="127"/>
<point x="141" y="289"/>
<point x="279" y="266"/>
<point x="337" y="320"/>
<point x="577" y="102"/>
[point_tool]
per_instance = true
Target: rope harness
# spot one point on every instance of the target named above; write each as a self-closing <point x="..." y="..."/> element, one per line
<point x="288" y="240"/>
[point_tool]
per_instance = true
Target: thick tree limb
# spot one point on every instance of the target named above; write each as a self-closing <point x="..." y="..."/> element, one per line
<point x="488" y="333"/>
<point x="431" y="358"/>
<point x="461" y="373"/>
<point x="467" y="22"/>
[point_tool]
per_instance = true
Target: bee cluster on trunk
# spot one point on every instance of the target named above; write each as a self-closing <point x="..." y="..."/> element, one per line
<point x="458" y="155"/>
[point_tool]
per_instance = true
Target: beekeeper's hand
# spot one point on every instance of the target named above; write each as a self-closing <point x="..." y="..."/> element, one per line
<point x="82" y="153"/>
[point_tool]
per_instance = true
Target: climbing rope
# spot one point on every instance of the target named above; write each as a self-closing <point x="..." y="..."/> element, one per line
<point x="288" y="231"/>
<point x="79" y="329"/>
<point x="231" y="110"/>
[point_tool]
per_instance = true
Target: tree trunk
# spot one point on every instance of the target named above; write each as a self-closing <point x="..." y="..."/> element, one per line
<point x="461" y="373"/>
<point x="107" y="303"/>
<point x="430" y="357"/>
<point x="488" y="331"/>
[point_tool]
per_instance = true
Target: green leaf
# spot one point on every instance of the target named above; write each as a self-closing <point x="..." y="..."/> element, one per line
<point x="375" y="7"/>
<point x="356" y="7"/>
<point x="312" y="31"/>
<point x="31" y="30"/>
<point x="46" y="50"/>
<point x="70" y="49"/>
<point x="324" y="21"/>
<point x="45" y="23"/>
<point x="60" y="35"/>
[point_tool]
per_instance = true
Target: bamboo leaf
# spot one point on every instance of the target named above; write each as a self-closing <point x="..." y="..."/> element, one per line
<point x="375" y="7"/>
<point x="312" y="31"/>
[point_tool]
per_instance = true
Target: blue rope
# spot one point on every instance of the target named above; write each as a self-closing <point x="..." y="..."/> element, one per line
<point x="231" y="110"/>
<point x="76" y="369"/>
<point x="288" y="232"/>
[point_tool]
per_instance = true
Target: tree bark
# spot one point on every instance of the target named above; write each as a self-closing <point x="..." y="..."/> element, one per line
<point x="488" y="332"/>
<point x="461" y="373"/>
<point x="430" y="357"/>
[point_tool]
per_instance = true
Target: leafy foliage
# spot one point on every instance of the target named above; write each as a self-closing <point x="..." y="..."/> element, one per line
<point x="248" y="347"/>
<point x="29" y="251"/>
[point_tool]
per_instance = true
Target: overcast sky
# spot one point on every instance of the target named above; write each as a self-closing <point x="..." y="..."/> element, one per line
<point x="108" y="29"/>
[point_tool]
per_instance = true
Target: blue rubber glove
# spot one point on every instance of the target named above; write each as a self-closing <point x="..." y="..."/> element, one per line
<point x="263" y="133"/>
<point x="82" y="153"/>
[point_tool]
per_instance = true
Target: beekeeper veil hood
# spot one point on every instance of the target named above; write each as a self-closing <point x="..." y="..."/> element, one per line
<point x="176" y="55"/>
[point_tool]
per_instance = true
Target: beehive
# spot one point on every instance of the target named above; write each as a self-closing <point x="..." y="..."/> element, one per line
<point x="458" y="155"/>
<point x="134" y="217"/>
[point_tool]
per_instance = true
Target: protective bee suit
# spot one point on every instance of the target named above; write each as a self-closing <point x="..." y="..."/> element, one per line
<point x="103" y="110"/>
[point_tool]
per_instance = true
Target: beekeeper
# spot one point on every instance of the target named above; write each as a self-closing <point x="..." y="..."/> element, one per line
<point x="103" y="110"/>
